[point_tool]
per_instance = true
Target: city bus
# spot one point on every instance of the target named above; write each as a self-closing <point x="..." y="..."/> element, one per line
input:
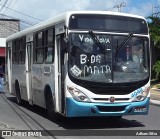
<point x="82" y="64"/>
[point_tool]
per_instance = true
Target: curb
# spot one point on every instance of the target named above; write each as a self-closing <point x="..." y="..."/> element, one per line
<point x="155" y="102"/>
<point x="155" y="89"/>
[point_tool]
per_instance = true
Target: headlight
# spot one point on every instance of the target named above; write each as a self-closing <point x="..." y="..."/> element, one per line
<point x="77" y="94"/>
<point x="142" y="96"/>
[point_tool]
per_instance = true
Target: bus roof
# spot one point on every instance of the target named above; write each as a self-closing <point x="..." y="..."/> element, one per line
<point x="64" y="18"/>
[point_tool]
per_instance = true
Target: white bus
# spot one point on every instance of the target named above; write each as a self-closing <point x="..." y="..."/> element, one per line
<point x="82" y="63"/>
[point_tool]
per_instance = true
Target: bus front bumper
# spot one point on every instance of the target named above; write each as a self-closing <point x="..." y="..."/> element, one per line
<point x="83" y="109"/>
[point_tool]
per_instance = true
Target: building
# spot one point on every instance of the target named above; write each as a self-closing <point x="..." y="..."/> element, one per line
<point x="7" y="28"/>
<point x="2" y="49"/>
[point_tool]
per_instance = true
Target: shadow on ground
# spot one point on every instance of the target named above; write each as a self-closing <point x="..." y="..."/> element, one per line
<point x="83" y="123"/>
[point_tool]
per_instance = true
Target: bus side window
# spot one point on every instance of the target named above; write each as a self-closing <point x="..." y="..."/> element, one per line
<point x="49" y="55"/>
<point x="22" y="43"/>
<point x="49" y="45"/>
<point x="16" y="51"/>
<point x="39" y="56"/>
<point x="39" y="50"/>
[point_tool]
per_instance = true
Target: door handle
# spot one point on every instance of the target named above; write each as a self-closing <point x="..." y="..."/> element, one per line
<point x="59" y="74"/>
<point x="27" y="71"/>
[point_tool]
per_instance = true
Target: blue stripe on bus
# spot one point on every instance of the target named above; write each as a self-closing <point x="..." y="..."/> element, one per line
<point x="81" y="109"/>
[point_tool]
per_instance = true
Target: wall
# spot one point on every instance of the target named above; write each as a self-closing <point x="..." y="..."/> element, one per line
<point x="8" y="27"/>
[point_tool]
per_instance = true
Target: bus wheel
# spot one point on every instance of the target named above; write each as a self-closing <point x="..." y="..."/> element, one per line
<point x="53" y="116"/>
<point x="18" y="95"/>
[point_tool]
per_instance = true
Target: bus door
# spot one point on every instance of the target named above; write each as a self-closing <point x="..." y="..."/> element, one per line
<point x="9" y="66"/>
<point x="60" y="54"/>
<point x="29" y="47"/>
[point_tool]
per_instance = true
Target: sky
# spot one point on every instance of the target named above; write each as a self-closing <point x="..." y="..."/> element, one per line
<point x="44" y="9"/>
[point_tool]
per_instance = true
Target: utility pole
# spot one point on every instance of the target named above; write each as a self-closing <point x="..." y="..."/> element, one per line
<point x="119" y="6"/>
<point x="153" y="11"/>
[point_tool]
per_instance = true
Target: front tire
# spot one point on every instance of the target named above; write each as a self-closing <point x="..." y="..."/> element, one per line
<point x="53" y="116"/>
<point x="115" y="118"/>
<point x="18" y="94"/>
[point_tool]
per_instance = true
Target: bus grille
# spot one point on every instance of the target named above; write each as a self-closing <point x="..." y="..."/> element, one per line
<point x="111" y="108"/>
<point x="107" y="99"/>
<point x="111" y="90"/>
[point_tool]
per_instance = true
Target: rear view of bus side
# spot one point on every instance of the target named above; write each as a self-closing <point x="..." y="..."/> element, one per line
<point x="83" y="63"/>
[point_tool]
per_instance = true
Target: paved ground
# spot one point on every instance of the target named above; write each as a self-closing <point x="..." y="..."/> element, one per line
<point x="155" y="96"/>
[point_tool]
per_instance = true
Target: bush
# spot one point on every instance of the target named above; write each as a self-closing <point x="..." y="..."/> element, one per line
<point x="156" y="69"/>
<point x="158" y="86"/>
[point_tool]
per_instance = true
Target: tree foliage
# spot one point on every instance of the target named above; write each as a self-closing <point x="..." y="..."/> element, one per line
<point x="156" y="69"/>
<point x="154" y="28"/>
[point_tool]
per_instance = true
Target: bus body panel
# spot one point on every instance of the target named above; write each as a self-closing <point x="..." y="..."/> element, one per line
<point x="76" y="108"/>
<point x="28" y="64"/>
<point x="37" y="84"/>
<point x="19" y="76"/>
<point x="79" y="109"/>
<point x="42" y="75"/>
<point x="9" y="67"/>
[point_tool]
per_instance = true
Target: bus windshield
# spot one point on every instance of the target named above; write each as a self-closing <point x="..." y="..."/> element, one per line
<point x="104" y="61"/>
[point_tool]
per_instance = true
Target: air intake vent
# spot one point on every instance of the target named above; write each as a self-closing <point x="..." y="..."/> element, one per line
<point x="111" y="108"/>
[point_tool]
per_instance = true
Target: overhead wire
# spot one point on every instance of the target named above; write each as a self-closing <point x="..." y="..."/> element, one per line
<point x="22" y="20"/>
<point x="21" y="13"/>
<point x="22" y="24"/>
<point x="3" y="5"/>
<point x="9" y="4"/>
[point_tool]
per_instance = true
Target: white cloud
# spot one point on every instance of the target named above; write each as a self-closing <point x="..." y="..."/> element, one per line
<point x="65" y="5"/>
<point x="45" y="9"/>
<point x="144" y="9"/>
<point x="49" y="8"/>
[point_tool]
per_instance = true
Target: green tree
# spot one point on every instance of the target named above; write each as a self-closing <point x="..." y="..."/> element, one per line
<point x="156" y="69"/>
<point x="154" y="28"/>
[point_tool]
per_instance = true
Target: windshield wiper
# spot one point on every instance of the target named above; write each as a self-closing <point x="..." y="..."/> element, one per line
<point x="101" y="47"/>
<point x="124" y="42"/>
